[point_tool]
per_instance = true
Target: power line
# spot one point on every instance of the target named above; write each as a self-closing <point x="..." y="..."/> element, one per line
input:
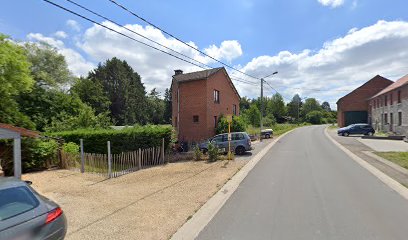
<point x="171" y="35"/>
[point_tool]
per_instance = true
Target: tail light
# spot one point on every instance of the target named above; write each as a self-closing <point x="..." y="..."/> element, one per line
<point x="54" y="214"/>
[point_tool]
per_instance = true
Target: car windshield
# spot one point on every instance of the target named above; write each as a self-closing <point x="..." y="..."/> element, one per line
<point x="15" y="201"/>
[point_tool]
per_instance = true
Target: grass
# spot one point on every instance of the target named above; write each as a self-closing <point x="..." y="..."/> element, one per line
<point x="333" y="126"/>
<point x="278" y="129"/>
<point x="400" y="158"/>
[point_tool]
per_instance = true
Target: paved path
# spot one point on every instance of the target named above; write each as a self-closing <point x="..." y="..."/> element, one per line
<point x="306" y="188"/>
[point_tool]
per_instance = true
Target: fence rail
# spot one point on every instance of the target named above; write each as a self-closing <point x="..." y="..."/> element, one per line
<point x="120" y="164"/>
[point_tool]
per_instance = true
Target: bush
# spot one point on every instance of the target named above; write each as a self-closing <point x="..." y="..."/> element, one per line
<point x="237" y="125"/>
<point x="212" y="152"/>
<point x="269" y="121"/>
<point x="70" y="147"/>
<point x="197" y="153"/>
<point x="314" y="117"/>
<point x="125" y="140"/>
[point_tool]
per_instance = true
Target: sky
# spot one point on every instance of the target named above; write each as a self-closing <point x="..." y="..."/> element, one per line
<point x="320" y="48"/>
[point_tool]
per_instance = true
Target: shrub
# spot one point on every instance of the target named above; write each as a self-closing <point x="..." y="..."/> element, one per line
<point x="70" y="147"/>
<point x="237" y="125"/>
<point x="212" y="152"/>
<point x="269" y="121"/>
<point x="197" y="153"/>
<point x="314" y="117"/>
<point x="127" y="139"/>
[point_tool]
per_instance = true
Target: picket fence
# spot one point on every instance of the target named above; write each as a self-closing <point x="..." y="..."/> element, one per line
<point x="117" y="164"/>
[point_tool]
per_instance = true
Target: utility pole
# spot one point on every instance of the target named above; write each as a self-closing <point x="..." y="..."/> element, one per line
<point x="262" y="105"/>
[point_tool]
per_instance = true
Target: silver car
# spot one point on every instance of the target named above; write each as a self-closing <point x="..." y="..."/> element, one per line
<point x="25" y="214"/>
<point x="240" y="143"/>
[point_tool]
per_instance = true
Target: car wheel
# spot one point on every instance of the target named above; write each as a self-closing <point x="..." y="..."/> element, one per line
<point x="204" y="150"/>
<point x="267" y="136"/>
<point x="346" y="134"/>
<point x="370" y="133"/>
<point x="240" y="150"/>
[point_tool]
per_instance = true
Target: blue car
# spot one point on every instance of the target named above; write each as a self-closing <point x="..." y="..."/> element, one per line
<point x="240" y="143"/>
<point x="359" y="128"/>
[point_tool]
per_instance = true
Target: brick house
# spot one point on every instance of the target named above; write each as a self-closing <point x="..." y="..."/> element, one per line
<point x="389" y="108"/>
<point x="199" y="99"/>
<point x="354" y="107"/>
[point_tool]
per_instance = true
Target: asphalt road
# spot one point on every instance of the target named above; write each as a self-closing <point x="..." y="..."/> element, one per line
<point x="307" y="188"/>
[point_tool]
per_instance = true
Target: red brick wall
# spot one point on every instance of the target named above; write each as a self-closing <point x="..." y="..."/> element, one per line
<point x="357" y="100"/>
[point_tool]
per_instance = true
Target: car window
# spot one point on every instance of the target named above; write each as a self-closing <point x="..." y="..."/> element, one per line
<point x="218" y="138"/>
<point x="15" y="201"/>
<point x="237" y="136"/>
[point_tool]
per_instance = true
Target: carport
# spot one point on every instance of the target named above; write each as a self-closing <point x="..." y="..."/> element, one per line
<point x="8" y="131"/>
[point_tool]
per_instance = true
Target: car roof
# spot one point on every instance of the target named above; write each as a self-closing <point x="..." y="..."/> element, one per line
<point x="231" y="133"/>
<point x="8" y="182"/>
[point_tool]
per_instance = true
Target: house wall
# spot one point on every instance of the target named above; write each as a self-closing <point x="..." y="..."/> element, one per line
<point x="219" y="81"/>
<point x="358" y="99"/>
<point x="378" y="109"/>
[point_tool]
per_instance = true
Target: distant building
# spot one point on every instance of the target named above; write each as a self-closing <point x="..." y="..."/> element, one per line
<point x="389" y="108"/>
<point x="354" y="107"/>
<point x="198" y="101"/>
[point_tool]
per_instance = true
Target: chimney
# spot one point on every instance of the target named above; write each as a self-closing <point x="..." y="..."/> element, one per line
<point x="178" y="71"/>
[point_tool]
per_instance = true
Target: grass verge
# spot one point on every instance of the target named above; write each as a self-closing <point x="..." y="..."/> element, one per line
<point x="400" y="158"/>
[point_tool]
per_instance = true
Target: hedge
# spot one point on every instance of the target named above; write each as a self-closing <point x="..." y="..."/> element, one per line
<point x="125" y="140"/>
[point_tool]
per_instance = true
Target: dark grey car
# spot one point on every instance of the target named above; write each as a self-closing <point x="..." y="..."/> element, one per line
<point x="240" y="143"/>
<point x="25" y="214"/>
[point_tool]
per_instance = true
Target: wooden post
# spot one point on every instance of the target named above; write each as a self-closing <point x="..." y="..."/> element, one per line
<point x="109" y="161"/>
<point x="17" y="157"/>
<point x="81" y="142"/>
<point x="163" y="151"/>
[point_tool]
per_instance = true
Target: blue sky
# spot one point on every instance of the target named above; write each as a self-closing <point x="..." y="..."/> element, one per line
<point x="326" y="44"/>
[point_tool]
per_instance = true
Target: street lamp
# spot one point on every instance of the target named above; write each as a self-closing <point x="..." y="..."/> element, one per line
<point x="262" y="104"/>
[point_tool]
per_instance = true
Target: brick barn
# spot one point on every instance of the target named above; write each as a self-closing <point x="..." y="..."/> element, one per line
<point x="389" y="108"/>
<point x="198" y="101"/>
<point x="354" y="107"/>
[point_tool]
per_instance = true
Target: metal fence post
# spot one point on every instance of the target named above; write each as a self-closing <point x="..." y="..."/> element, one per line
<point x="163" y="150"/>
<point x="81" y="141"/>
<point x="109" y="161"/>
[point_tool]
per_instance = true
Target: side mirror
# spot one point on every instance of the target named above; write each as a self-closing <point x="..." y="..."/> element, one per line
<point x="28" y="182"/>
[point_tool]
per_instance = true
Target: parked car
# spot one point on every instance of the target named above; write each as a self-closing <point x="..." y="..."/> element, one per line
<point x="240" y="143"/>
<point x="25" y="214"/>
<point x="359" y="128"/>
<point x="267" y="133"/>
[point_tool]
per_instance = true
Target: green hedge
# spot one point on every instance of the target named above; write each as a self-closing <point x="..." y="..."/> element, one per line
<point x="127" y="139"/>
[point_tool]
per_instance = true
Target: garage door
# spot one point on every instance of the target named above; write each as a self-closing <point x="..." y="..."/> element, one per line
<point x="355" y="117"/>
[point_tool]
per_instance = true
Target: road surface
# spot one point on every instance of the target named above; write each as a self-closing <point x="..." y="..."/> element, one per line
<point x="307" y="188"/>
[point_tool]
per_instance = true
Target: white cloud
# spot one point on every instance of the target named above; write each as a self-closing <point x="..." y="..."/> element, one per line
<point x="76" y="62"/>
<point x="74" y="25"/>
<point x="331" y="3"/>
<point x="60" y="34"/>
<point x="228" y="50"/>
<point x="343" y="63"/>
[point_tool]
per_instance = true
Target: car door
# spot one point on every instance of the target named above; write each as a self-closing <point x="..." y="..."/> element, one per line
<point x="355" y="129"/>
<point x="219" y="141"/>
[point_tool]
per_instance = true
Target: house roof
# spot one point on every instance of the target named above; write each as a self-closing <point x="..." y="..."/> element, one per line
<point x="364" y="86"/>
<point x="203" y="75"/>
<point x="399" y="83"/>
<point x="196" y="75"/>
<point x="22" y="131"/>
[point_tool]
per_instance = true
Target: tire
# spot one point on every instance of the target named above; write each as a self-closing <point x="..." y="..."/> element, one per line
<point x="267" y="136"/>
<point x="370" y="133"/>
<point x="240" y="150"/>
<point x="346" y="134"/>
<point x="204" y="150"/>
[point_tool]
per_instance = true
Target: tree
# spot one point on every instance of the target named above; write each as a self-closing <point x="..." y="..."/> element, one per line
<point x="311" y="104"/>
<point x="314" y="117"/>
<point x="124" y="89"/>
<point x="167" y="105"/>
<point x="276" y="107"/>
<point x="252" y="115"/>
<point x="237" y="125"/>
<point x="15" y="79"/>
<point x="156" y="107"/>
<point x="48" y="67"/>
<point x="91" y="93"/>
<point x="326" y="106"/>
<point x="294" y="106"/>
<point x="244" y="103"/>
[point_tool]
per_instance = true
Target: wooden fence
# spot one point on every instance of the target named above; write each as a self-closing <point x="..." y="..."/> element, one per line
<point x="117" y="164"/>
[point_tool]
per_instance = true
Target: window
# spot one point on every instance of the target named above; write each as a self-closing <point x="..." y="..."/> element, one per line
<point x="195" y="119"/>
<point x="399" y="118"/>
<point x="15" y="201"/>
<point x="385" y="118"/>
<point x="399" y="96"/>
<point x="385" y="100"/>
<point x="216" y="96"/>
<point x="234" y="109"/>
<point x="391" y="102"/>
<point x="215" y="122"/>
<point x="374" y="102"/>
<point x="237" y="136"/>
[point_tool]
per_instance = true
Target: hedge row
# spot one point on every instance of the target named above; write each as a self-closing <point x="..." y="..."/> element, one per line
<point x="127" y="139"/>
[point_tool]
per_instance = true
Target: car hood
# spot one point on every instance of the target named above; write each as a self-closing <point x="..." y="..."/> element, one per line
<point x="343" y="128"/>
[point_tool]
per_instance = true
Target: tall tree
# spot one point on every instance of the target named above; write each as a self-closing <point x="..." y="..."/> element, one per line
<point x="167" y="105"/>
<point x="244" y="103"/>
<point x="92" y="93"/>
<point x="276" y="107"/>
<point x="311" y="104"/>
<point x="294" y="107"/>
<point x="15" y="79"/>
<point x="156" y="107"/>
<point x="326" y="106"/>
<point x="124" y="90"/>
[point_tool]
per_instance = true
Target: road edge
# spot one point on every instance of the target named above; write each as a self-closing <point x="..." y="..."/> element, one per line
<point x="395" y="166"/>
<point x="387" y="180"/>
<point x="192" y="228"/>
